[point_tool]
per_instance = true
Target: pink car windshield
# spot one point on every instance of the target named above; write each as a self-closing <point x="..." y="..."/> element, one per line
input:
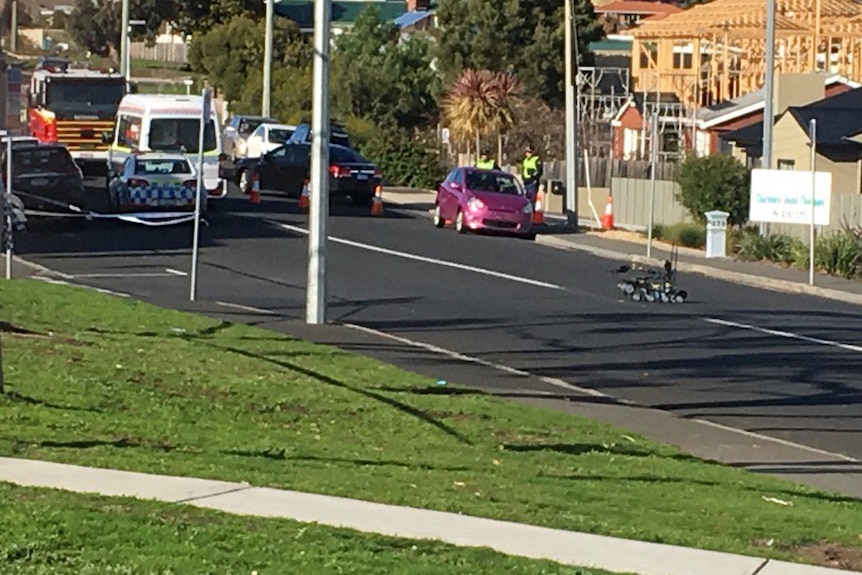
<point x="493" y="182"/>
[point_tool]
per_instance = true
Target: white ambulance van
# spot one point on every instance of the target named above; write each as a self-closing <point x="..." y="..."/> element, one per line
<point x="163" y="122"/>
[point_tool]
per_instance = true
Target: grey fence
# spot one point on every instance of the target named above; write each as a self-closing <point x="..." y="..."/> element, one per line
<point x="173" y="52"/>
<point x="631" y="198"/>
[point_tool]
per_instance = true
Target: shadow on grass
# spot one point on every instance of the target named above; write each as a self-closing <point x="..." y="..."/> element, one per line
<point x="280" y="455"/>
<point x="14" y="396"/>
<point x="584" y="448"/>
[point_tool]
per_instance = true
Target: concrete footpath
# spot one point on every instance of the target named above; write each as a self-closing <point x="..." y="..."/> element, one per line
<point x="629" y="247"/>
<point x="566" y="547"/>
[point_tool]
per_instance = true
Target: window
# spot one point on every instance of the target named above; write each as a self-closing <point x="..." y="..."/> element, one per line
<point x="258" y="132"/>
<point x="279" y="135"/>
<point x="297" y="154"/>
<point x="162" y="167"/>
<point x="649" y="54"/>
<point x="181" y="134"/>
<point x="345" y="156"/>
<point x="129" y="132"/>
<point x="42" y="159"/>
<point x="492" y="182"/>
<point x="786" y="164"/>
<point x="682" y="61"/>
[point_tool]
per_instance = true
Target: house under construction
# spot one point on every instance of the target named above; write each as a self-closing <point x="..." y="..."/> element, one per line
<point x="716" y="51"/>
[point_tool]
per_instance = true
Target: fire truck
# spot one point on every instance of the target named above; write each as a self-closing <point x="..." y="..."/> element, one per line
<point x="74" y="107"/>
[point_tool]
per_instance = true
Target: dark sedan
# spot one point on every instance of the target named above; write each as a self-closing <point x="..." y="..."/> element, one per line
<point x="46" y="178"/>
<point x="287" y="168"/>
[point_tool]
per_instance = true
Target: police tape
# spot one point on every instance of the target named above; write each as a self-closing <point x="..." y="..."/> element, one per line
<point x="152" y="219"/>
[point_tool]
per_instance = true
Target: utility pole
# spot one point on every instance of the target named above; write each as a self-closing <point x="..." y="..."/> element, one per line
<point x="13" y="28"/>
<point x="319" y="209"/>
<point x="571" y="122"/>
<point x="267" y="58"/>
<point x="769" y="88"/>
<point x="124" y="41"/>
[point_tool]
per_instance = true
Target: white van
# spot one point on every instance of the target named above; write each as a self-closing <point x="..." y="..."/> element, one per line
<point x="161" y="122"/>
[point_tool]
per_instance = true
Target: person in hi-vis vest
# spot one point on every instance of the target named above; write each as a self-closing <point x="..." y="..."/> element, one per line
<point x="531" y="171"/>
<point x="485" y="162"/>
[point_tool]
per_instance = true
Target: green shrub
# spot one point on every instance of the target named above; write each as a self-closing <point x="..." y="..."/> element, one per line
<point x="839" y="253"/>
<point x="749" y="244"/>
<point x="683" y="234"/>
<point x="716" y="182"/>
<point x="404" y="161"/>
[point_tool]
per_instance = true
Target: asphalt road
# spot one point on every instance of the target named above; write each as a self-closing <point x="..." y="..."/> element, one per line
<point x="782" y="365"/>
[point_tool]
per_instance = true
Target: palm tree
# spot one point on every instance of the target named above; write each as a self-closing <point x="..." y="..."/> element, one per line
<point x="481" y="102"/>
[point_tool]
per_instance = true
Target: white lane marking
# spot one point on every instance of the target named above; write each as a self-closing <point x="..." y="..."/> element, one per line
<point x="785" y="442"/>
<point x="428" y="260"/>
<point x="96" y="289"/>
<point x="176" y="272"/>
<point x="245" y="308"/>
<point x="591" y="392"/>
<point x="469" y="359"/>
<point x="785" y="334"/>
<point x="119" y="276"/>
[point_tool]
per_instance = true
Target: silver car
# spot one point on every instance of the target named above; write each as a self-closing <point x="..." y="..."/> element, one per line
<point x="154" y="182"/>
<point x="237" y="131"/>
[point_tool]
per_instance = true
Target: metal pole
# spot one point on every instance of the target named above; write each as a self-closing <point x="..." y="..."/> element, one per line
<point x="205" y="116"/>
<point x="267" y="58"/>
<point x="319" y="212"/>
<point x="812" y="136"/>
<point x="13" y="28"/>
<point x="124" y="41"/>
<point x="571" y="122"/>
<point x="7" y="207"/>
<point x="769" y="88"/>
<point x="653" y="153"/>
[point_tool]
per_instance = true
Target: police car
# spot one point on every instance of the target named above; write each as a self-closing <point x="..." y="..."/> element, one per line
<point x="155" y="181"/>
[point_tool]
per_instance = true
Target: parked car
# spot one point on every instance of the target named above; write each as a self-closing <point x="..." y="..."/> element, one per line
<point x="287" y="168"/>
<point x="45" y="177"/>
<point x="155" y="181"/>
<point x="266" y="138"/>
<point x="237" y="132"/>
<point x="476" y="199"/>
<point x="337" y="135"/>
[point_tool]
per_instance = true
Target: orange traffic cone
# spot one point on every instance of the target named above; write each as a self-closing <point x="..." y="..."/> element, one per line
<point x="303" y="197"/>
<point x="254" y="194"/>
<point x="608" y="218"/>
<point x="377" y="202"/>
<point x="539" y="208"/>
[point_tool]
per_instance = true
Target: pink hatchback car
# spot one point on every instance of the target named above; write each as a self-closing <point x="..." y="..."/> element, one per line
<point x="490" y="200"/>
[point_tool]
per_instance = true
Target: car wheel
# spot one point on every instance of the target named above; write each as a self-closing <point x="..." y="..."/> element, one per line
<point x="242" y="182"/>
<point x="439" y="220"/>
<point x="459" y="223"/>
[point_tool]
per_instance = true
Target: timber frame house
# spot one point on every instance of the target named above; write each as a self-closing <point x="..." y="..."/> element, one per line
<point x="715" y="51"/>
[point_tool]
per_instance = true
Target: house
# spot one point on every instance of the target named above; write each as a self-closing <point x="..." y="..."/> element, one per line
<point x="631" y="131"/>
<point x="621" y="15"/>
<point x="838" y="139"/>
<point x="790" y="90"/>
<point x="421" y="15"/>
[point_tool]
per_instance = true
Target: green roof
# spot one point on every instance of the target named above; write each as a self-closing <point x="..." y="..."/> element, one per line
<point x="344" y="12"/>
<point x="611" y="46"/>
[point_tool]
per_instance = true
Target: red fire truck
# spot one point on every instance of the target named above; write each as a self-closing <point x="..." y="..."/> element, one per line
<point x="74" y="107"/>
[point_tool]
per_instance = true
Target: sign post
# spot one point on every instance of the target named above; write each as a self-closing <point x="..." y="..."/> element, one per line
<point x="812" y="135"/>
<point x="206" y="111"/>
<point x="653" y="153"/>
<point x="7" y="207"/>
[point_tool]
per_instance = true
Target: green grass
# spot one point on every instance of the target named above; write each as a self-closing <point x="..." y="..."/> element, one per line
<point x="118" y="383"/>
<point x="48" y="532"/>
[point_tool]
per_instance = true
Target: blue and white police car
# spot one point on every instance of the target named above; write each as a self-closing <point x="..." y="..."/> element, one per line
<point x="155" y="181"/>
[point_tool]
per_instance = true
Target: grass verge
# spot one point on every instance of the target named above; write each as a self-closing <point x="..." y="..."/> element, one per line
<point x="103" y="381"/>
<point x="50" y="531"/>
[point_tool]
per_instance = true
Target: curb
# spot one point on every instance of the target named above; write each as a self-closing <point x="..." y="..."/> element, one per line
<point x="714" y="273"/>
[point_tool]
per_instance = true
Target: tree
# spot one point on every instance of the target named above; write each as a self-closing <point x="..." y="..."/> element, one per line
<point x="524" y="37"/>
<point x="379" y="76"/>
<point x="96" y="24"/>
<point x="231" y="55"/>
<point x="481" y="102"/>
<point x="716" y="182"/>
<point x="201" y="16"/>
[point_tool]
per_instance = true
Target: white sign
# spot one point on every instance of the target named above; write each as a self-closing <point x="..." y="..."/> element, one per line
<point x="207" y="105"/>
<point x="444" y="136"/>
<point x="784" y="197"/>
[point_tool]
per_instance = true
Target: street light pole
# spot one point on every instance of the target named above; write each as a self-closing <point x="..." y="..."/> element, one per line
<point x="571" y="122"/>
<point x="769" y="88"/>
<point x="124" y="40"/>
<point x="319" y="209"/>
<point x="267" y="58"/>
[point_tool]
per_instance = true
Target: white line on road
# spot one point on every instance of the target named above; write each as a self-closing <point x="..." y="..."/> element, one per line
<point x="95" y="289"/>
<point x="785" y="334"/>
<point x="176" y="272"/>
<point x="428" y="260"/>
<point x="245" y="308"/>
<point x="120" y="276"/>
<point x="485" y="363"/>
